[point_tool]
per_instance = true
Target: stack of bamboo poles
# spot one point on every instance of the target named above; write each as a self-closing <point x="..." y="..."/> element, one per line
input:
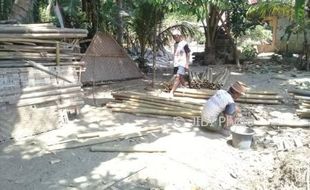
<point x="40" y="63"/>
<point x="207" y="80"/>
<point x="43" y="43"/>
<point x="141" y="104"/>
<point x="302" y="98"/>
<point x="251" y="97"/>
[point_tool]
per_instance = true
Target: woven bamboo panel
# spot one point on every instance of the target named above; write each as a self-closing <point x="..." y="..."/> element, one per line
<point x="107" y="61"/>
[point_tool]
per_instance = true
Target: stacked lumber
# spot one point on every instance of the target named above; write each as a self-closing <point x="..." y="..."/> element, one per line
<point x="252" y="97"/>
<point x="207" y="80"/>
<point x="302" y="97"/>
<point x="40" y="66"/>
<point x="141" y="104"/>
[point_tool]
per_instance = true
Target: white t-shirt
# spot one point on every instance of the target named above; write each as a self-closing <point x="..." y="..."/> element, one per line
<point x="179" y="57"/>
<point x="216" y="105"/>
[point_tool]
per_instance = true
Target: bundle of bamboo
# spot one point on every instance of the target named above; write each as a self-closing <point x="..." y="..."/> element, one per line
<point x="250" y="97"/>
<point x="141" y="104"/>
<point x="302" y="97"/>
<point x="206" y="79"/>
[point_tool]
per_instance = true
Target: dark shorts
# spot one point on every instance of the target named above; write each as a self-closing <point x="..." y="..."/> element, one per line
<point x="179" y="70"/>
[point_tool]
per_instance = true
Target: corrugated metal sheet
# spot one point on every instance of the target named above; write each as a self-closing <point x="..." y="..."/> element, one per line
<point x="107" y="61"/>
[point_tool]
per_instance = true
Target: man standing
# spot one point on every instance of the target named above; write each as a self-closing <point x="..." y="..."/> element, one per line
<point x="180" y="59"/>
<point x="220" y="111"/>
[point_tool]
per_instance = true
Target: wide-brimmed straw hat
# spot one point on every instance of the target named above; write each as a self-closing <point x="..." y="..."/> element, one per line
<point x="239" y="87"/>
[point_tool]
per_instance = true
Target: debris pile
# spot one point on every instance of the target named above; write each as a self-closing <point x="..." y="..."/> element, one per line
<point x="39" y="66"/>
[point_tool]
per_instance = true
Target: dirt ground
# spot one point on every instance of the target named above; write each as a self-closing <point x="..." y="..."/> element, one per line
<point x="195" y="158"/>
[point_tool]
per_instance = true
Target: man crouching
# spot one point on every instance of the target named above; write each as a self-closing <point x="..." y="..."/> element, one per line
<point x="220" y="111"/>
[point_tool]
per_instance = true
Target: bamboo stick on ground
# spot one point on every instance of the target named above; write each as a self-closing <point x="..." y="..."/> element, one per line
<point x="297" y="124"/>
<point x="98" y="148"/>
<point x="111" y="138"/>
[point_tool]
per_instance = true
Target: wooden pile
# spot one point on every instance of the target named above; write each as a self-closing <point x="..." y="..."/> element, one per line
<point x="207" y="80"/>
<point x="40" y="66"/>
<point x="252" y="97"/>
<point x="302" y="98"/>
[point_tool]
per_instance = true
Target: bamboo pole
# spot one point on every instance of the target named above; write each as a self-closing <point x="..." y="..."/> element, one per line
<point x="45" y="69"/>
<point x="156" y="112"/>
<point x="34" y="55"/>
<point x="131" y="105"/>
<point x="33" y="101"/>
<point x="297" y="124"/>
<point x="74" y="144"/>
<point x="155" y="99"/>
<point x="40" y="41"/>
<point x="128" y="150"/>
<point x="300" y="92"/>
<point x="302" y="97"/>
<point x="34" y="30"/>
<point x="211" y="75"/>
<point x="244" y="97"/>
<point x="198" y="107"/>
<point x="38" y="89"/>
<point x="45" y="35"/>
<point x="57" y="54"/>
<point x="33" y="48"/>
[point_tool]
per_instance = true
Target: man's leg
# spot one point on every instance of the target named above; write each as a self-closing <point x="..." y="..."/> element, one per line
<point x="175" y="85"/>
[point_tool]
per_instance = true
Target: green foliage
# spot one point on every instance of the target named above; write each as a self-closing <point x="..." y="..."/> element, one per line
<point x="249" y="52"/>
<point x="270" y="8"/>
<point x="5" y="8"/>
<point x="299" y="11"/>
<point x="147" y="14"/>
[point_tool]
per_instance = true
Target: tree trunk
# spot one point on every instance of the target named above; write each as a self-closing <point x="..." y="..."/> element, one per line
<point x="119" y="19"/>
<point x="212" y="25"/>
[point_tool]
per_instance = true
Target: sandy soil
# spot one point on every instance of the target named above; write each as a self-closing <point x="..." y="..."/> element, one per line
<point x="195" y="158"/>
